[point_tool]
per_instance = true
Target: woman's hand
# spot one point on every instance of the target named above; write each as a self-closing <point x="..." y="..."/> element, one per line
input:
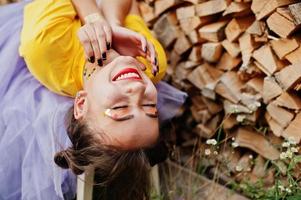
<point x="130" y="43"/>
<point x="96" y="38"/>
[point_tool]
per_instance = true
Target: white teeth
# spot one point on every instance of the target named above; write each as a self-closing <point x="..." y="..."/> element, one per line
<point x="128" y="75"/>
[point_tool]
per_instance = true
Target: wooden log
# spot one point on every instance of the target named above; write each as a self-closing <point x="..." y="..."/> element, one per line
<point x="295" y="56"/>
<point x="229" y="86"/>
<point x="196" y="54"/>
<point x="293" y="131"/>
<point x="211" y="52"/>
<point x="232" y="108"/>
<point x="289" y="76"/>
<point x="263" y="8"/>
<point x="201" y="116"/>
<point x="257" y="28"/>
<point x="236" y="27"/>
<point x="189" y="24"/>
<point x="227" y="62"/>
<point x="257" y="143"/>
<point x="166" y="29"/>
<point x="271" y="89"/>
<point x="182" y="44"/>
<point x="203" y="75"/>
<point x="212" y="106"/>
<point x="211" y="7"/>
<point x="268" y="61"/>
<point x="237" y="9"/>
<point x="229" y="122"/>
<point x="232" y="48"/>
<point x="282" y="116"/>
<point x="247" y="46"/>
<point x="281" y="25"/>
<point x="289" y="100"/>
<point x="273" y="125"/>
<point x="295" y="10"/>
<point x="195" y="38"/>
<point x="208" y="130"/>
<point x="283" y="47"/>
<point x="146" y="11"/>
<point x="185" y="12"/>
<point x="163" y="5"/>
<point x="213" y="32"/>
<point x="259" y="169"/>
<point x="254" y="86"/>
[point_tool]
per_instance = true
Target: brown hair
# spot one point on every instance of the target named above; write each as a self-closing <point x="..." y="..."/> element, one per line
<point x="119" y="174"/>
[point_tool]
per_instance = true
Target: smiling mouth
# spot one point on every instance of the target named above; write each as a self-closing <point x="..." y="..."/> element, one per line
<point x="127" y="74"/>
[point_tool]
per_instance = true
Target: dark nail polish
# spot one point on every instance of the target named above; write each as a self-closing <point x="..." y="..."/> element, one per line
<point x="91" y="59"/>
<point x="108" y="45"/>
<point x="144" y="49"/>
<point x="99" y="61"/>
<point x="104" y="56"/>
<point x="156" y="61"/>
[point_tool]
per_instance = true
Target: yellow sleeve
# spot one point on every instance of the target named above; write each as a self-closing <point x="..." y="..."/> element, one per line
<point x="50" y="46"/>
<point x="136" y="23"/>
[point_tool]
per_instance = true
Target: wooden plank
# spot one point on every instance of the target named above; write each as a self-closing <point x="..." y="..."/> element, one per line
<point x="211" y="7"/>
<point x="282" y="116"/>
<point x="213" y="106"/>
<point x="293" y="131"/>
<point x="236" y="27"/>
<point x="85" y="184"/>
<point x="267" y="59"/>
<point x="195" y="38"/>
<point x="295" y="56"/>
<point x="282" y="47"/>
<point x="295" y="10"/>
<point x="213" y="32"/>
<point x="247" y="46"/>
<point x="257" y="143"/>
<point x="289" y="76"/>
<point x="211" y="52"/>
<point x="208" y="129"/>
<point x="231" y="47"/>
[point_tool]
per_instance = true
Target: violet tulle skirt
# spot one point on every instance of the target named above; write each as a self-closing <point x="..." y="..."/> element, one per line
<point x="32" y="122"/>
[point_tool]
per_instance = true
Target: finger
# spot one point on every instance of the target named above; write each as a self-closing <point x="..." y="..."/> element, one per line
<point x="153" y="57"/>
<point x="85" y="41"/>
<point x="143" y="44"/>
<point x="108" y="32"/>
<point x="101" y="38"/>
<point x="93" y="40"/>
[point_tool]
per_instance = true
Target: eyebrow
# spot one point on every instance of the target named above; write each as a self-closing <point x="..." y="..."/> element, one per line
<point x="128" y="117"/>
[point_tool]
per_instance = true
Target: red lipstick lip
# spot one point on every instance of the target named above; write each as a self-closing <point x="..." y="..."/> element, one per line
<point x="125" y="71"/>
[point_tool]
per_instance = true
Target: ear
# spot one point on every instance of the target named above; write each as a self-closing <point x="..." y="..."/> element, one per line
<point x="80" y="105"/>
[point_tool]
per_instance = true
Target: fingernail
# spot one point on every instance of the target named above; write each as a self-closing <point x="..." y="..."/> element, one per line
<point x="144" y="49"/>
<point x="108" y="45"/>
<point x="99" y="61"/>
<point x="91" y="59"/>
<point x="156" y="61"/>
<point x="104" y="56"/>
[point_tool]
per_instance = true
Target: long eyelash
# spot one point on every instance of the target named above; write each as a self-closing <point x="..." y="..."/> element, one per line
<point x="150" y="105"/>
<point x="118" y="107"/>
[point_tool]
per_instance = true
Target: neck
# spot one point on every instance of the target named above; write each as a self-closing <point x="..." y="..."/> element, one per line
<point x="91" y="68"/>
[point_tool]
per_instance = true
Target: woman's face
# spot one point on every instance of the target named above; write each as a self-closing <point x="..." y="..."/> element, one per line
<point x="119" y="100"/>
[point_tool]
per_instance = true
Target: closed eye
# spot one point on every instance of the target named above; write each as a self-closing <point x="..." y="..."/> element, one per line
<point x="118" y="107"/>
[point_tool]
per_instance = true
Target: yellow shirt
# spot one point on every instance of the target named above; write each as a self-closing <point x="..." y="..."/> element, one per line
<point x="53" y="52"/>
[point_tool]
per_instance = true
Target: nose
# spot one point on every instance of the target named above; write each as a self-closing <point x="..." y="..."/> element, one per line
<point x="135" y="87"/>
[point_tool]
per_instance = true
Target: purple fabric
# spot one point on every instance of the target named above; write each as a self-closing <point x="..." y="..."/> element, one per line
<point x="31" y="122"/>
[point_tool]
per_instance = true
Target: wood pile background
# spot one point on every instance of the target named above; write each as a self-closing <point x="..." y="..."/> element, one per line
<point x="240" y="63"/>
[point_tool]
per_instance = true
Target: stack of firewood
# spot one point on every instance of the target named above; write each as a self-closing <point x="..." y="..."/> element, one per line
<point x="240" y="62"/>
